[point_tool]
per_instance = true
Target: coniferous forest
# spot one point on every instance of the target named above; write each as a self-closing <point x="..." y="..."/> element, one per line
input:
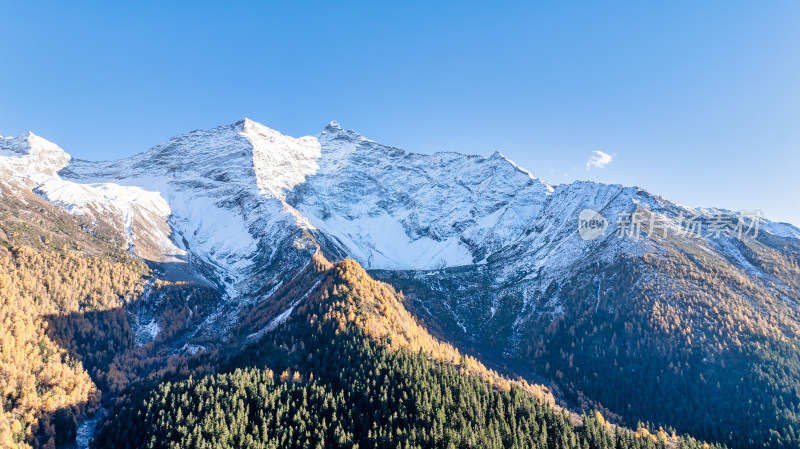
<point x="321" y="381"/>
<point x="356" y="394"/>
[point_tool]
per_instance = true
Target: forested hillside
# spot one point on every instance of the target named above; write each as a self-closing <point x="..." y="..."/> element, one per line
<point x="51" y="269"/>
<point x="343" y="294"/>
<point x="364" y="396"/>
<point x="66" y="341"/>
<point x="340" y="373"/>
<point x="684" y="340"/>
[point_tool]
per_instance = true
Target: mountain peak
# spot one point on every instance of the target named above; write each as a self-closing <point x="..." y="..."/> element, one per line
<point x="242" y="125"/>
<point x="249" y="123"/>
<point x="498" y="155"/>
<point x="253" y="126"/>
<point x="333" y="126"/>
<point x="33" y="154"/>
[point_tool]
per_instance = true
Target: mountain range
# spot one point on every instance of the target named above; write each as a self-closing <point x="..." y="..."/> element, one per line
<point x="239" y="239"/>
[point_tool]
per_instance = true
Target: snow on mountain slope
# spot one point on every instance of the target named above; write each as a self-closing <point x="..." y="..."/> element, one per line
<point x="30" y="159"/>
<point x="224" y="188"/>
<point x="395" y="210"/>
<point x="141" y="214"/>
<point x="32" y="162"/>
<point x="280" y="162"/>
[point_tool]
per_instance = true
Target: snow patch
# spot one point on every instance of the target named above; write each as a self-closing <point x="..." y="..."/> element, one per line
<point x="147" y="333"/>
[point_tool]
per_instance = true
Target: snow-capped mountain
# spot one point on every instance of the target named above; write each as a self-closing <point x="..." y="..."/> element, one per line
<point x="618" y="299"/>
<point x="227" y="196"/>
<point x="242" y="202"/>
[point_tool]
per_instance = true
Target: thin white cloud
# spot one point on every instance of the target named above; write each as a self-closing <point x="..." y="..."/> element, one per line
<point x="599" y="159"/>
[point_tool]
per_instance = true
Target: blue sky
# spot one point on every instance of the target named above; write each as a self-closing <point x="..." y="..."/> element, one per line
<point x="696" y="101"/>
